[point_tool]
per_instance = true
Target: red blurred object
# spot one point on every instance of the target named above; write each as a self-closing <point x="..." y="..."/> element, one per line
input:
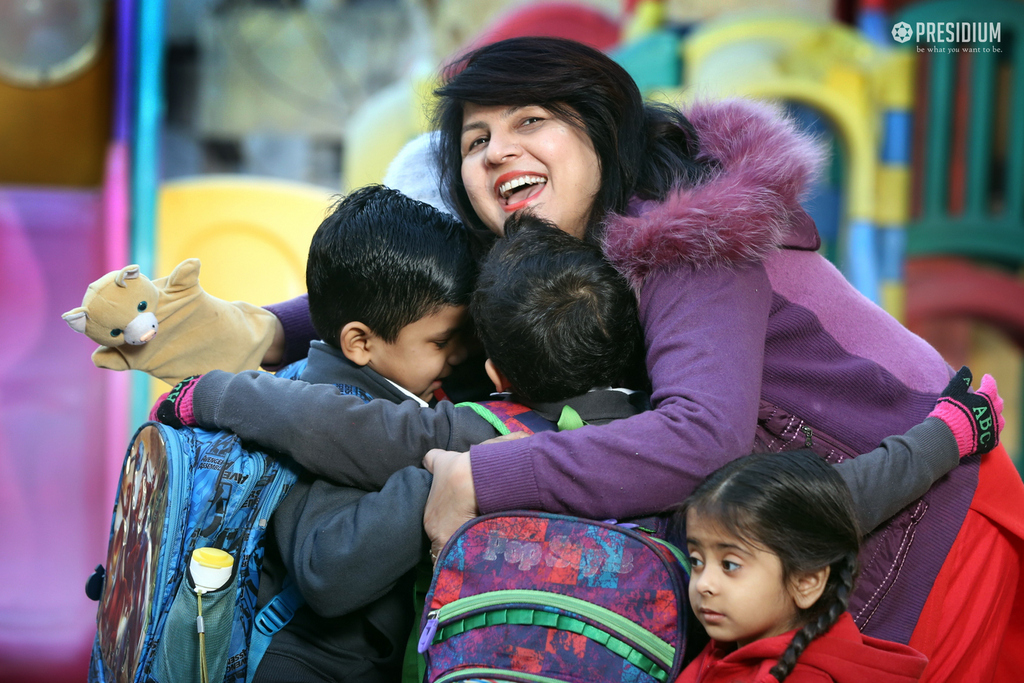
<point x="558" y="20"/>
<point x="945" y="293"/>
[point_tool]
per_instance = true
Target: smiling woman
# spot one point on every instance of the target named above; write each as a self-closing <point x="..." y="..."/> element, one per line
<point x="527" y="158"/>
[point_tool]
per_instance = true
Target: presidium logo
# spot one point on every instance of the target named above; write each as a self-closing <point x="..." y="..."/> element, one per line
<point x="902" y="32"/>
<point x="961" y="36"/>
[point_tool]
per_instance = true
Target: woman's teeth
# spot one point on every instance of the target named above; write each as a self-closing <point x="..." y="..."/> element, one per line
<point x="505" y="189"/>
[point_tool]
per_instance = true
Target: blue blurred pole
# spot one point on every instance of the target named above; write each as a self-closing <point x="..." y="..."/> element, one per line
<point x="862" y="261"/>
<point x="146" y="160"/>
<point x="872" y="24"/>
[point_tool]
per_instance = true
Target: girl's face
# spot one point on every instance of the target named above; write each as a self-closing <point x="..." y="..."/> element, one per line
<point x="517" y="158"/>
<point x="736" y="590"/>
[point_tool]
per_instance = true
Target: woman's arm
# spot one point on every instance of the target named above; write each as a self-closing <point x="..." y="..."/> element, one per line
<point x="705" y="333"/>
<point x="293" y="333"/>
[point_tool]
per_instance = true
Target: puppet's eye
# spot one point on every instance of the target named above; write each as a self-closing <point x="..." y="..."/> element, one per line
<point x="142" y="306"/>
<point x="115" y="332"/>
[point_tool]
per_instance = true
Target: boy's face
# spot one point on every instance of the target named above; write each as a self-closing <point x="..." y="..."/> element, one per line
<point x="424" y="352"/>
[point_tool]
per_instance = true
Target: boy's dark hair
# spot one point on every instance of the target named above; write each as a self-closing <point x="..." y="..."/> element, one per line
<point x="796" y="506"/>
<point x="553" y="315"/>
<point x="385" y="260"/>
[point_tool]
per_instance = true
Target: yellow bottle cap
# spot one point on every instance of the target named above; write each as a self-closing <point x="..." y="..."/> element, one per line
<point x="210" y="569"/>
<point x="212" y="557"/>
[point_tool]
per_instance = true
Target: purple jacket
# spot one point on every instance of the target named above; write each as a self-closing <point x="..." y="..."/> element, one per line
<point x="754" y="342"/>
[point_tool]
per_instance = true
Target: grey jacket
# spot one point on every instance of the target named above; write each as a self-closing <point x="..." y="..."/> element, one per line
<point x="352" y="555"/>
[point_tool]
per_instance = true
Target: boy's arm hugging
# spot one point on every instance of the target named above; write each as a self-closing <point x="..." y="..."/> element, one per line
<point x="370" y="539"/>
<point x="331" y="434"/>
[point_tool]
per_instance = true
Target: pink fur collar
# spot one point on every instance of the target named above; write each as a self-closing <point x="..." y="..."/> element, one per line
<point x="747" y="210"/>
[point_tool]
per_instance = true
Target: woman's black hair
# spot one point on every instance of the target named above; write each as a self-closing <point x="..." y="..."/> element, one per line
<point x="796" y="506"/>
<point x="644" y="150"/>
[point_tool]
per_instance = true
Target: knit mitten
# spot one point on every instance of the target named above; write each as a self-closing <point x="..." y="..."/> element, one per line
<point x="176" y="409"/>
<point x="976" y="419"/>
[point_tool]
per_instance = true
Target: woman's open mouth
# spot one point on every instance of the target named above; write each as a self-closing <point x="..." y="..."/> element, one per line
<point x="515" y="190"/>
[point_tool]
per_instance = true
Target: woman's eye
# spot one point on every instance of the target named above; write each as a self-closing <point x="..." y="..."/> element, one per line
<point x="476" y="142"/>
<point x="531" y="119"/>
<point x="142" y="306"/>
<point x="116" y="332"/>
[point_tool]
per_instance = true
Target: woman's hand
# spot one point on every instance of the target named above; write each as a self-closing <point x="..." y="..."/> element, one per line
<point x="452" y="499"/>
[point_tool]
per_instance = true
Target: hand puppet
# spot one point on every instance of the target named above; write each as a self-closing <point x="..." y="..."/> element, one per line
<point x="169" y="328"/>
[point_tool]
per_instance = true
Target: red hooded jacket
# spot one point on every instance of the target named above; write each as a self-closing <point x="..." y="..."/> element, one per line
<point x="842" y="655"/>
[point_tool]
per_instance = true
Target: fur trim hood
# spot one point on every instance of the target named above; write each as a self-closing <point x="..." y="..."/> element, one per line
<point x="749" y="208"/>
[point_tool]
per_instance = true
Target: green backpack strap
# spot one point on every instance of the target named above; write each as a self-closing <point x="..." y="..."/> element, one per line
<point x="569" y="419"/>
<point x="486" y="414"/>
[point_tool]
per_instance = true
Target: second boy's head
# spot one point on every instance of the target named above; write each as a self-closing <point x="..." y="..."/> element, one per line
<point x="389" y="280"/>
<point x="555" y="318"/>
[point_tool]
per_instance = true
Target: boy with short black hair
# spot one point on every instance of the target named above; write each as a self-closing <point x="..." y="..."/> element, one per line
<point x="556" y="319"/>
<point x="389" y="281"/>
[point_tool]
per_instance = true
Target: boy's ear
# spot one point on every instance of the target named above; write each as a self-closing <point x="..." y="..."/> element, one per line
<point x="501" y="382"/>
<point x="356" y="343"/>
<point x="807" y="588"/>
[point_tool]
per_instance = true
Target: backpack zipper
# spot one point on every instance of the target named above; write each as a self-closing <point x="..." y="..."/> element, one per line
<point x="627" y="630"/>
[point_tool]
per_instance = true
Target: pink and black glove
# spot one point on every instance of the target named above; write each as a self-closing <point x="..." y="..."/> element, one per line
<point x="976" y="419"/>
<point x="176" y="408"/>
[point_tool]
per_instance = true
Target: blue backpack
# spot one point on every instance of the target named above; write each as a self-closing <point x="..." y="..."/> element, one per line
<point x="182" y="489"/>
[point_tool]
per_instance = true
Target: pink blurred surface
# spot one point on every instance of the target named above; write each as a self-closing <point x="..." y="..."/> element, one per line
<point x="58" y="463"/>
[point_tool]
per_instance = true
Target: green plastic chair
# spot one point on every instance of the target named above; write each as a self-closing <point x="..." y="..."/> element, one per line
<point x="979" y="231"/>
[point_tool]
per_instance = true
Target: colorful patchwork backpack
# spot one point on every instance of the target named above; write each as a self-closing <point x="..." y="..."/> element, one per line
<point x="182" y="489"/>
<point x="531" y="596"/>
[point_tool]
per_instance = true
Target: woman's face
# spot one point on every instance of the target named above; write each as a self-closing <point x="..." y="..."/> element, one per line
<point x="517" y="158"/>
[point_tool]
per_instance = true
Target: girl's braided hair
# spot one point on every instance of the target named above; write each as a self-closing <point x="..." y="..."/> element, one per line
<point x="795" y="505"/>
<point x="836" y="606"/>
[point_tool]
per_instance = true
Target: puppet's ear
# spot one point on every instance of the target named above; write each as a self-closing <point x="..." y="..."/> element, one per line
<point x="184" y="275"/>
<point x="75" y="318"/>
<point x="127" y="273"/>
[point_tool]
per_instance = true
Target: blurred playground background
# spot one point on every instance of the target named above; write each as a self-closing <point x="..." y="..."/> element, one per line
<point x="149" y="131"/>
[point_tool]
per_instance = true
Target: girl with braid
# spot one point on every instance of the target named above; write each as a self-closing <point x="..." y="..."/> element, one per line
<point x="773" y="542"/>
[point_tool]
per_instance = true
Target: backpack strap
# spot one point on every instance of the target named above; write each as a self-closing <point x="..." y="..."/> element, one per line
<point x="271" y="619"/>
<point x="569" y="419"/>
<point x="507" y="417"/>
